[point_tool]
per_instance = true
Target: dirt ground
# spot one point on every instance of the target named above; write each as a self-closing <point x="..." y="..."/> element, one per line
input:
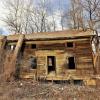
<point x="30" y="90"/>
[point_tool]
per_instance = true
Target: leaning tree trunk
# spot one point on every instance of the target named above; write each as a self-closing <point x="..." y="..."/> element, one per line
<point x="10" y="66"/>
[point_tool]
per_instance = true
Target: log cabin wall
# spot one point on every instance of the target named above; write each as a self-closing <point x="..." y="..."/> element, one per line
<point x="62" y="50"/>
<point x="59" y="54"/>
<point x="81" y="51"/>
<point x="84" y="57"/>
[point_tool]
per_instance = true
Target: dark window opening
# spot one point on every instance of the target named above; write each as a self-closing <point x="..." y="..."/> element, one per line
<point x="70" y="44"/>
<point x="78" y="82"/>
<point x="71" y="63"/>
<point x="33" y="46"/>
<point x="33" y="62"/>
<point x="51" y="63"/>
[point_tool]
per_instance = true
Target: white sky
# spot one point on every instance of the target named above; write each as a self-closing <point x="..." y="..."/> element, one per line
<point x="2" y="15"/>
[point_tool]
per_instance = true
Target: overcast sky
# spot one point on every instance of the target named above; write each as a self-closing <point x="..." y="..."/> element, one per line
<point x="55" y="4"/>
<point x="2" y="15"/>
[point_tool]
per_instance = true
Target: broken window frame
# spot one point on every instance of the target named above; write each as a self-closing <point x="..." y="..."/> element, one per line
<point x="11" y="47"/>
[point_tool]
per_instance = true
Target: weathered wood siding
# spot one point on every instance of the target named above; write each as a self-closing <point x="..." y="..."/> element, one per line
<point x="81" y="51"/>
<point x="84" y="57"/>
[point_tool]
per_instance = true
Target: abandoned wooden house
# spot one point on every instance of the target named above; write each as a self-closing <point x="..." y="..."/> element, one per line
<point x="63" y="55"/>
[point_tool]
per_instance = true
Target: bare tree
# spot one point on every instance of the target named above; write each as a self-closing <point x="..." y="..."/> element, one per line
<point x="37" y="17"/>
<point x="42" y="11"/>
<point x="61" y="14"/>
<point x="52" y="24"/>
<point x="24" y="16"/>
<point x="91" y="8"/>
<point x="75" y="14"/>
<point x="13" y="19"/>
<point x="17" y="18"/>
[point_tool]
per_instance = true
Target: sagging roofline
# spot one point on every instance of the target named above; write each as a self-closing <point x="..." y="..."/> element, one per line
<point x="58" y="35"/>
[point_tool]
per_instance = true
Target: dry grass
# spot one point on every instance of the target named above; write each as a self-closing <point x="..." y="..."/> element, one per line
<point x="30" y="90"/>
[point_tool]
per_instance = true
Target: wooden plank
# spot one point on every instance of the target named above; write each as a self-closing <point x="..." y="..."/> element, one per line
<point x="49" y="42"/>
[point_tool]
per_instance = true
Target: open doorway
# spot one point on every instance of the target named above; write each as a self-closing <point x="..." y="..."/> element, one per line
<point x="71" y="63"/>
<point x="51" y="62"/>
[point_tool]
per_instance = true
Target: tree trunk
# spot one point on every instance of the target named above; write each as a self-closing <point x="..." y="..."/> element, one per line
<point x="10" y="66"/>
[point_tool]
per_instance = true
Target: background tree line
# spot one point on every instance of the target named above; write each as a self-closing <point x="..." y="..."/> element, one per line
<point x="25" y="16"/>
